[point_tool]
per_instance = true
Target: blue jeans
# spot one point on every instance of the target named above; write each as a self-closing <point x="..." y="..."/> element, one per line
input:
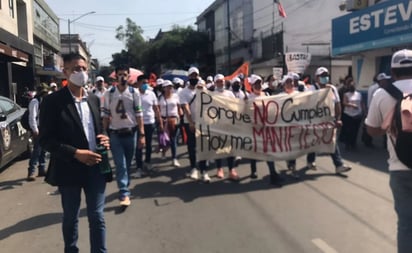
<point x="148" y="130"/>
<point x="94" y="190"/>
<point x="401" y="185"/>
<point x="123" y="149"/>
<point x="38" y="156"/>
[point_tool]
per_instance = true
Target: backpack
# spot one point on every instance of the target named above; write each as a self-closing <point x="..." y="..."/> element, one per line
<point x="25" y="120"/>
<point x="401" y="124"/>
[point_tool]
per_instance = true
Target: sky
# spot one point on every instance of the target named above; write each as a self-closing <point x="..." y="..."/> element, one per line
<point x="98" y="29"/>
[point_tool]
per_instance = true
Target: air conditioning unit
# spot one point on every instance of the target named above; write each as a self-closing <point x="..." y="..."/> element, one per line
<point x="354" y="5"/>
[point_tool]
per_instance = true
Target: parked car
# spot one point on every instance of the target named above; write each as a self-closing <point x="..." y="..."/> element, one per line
<point x="14" y="138"/>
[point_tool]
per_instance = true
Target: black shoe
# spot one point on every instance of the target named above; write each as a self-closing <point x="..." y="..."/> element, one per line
<point x="253" y="175"/>
<point x="31" y="177"/>
<point x="276" y="180"/>
<point x="41" y="174"/>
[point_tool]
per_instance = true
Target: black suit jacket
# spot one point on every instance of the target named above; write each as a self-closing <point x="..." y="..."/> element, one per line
<point x="61" y="133"/>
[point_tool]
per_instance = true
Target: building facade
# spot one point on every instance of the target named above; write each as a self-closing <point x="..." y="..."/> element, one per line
<point x="46" y="42"/>
<point x="371" y="34"/>
<point x="258" y="34"/>
<point x="16" y="48"/>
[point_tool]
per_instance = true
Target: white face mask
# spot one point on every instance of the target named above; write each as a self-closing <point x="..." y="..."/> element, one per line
<point x="79" y="78"/>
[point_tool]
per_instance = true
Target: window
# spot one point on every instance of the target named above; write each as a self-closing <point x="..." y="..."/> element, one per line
<point x="7" y="106"/>
<point x="11" y="8"/>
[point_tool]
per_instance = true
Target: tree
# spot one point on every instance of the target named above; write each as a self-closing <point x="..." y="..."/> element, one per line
<point x="131" y="35"/>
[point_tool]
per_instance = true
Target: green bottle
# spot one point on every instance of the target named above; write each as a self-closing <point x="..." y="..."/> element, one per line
<point x="104" y="164"/>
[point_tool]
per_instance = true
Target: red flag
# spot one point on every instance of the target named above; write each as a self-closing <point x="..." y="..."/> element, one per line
<point x="282" y="11"/>
<point x="152" y="79"/>
<point x="243" y="69"/>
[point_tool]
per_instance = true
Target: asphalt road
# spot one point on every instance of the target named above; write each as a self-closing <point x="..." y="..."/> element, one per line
<point x="321" y="212"/>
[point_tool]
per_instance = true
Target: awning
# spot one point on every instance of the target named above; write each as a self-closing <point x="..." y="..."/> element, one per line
<point x="49" y="71"/>
<point x="15" y="54"/>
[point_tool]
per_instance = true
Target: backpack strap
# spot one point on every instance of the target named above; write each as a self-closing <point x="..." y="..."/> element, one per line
<point x="393" y="91"/>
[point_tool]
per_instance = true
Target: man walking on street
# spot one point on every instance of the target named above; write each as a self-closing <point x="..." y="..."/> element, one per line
<point x="122" y="118"/>
<point x="400" y="175"/>
<point x="70" y="129"/>
<point x="38" y="155"/>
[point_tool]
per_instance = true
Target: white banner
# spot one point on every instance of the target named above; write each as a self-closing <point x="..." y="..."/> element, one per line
<point x="297" y="62"/>
<point x="280" y="127"/>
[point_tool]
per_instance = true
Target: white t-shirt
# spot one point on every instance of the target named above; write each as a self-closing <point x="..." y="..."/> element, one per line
<point x="122" y="108"/>
<point x="239" y="94"/>
<point x="374" y="87"/>
<point x="169" y="107"/>
<point x="149" y="100"/>
<point x="353" y="98"/>
<point x="382" y="103"/>
<point x="186" y="97"/>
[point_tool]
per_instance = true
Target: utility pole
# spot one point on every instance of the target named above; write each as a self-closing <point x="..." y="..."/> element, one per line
<point x="229" y="38"/>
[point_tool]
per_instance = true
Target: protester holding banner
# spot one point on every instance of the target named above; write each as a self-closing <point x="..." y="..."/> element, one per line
<point x="256" y="83"/>
<point x="272" y="88"/>
<point x="221" y="91"/>
<point x="187" y="98"/>
<point x="322" y="81"/>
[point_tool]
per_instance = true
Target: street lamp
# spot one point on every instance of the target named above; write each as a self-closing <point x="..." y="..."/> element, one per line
<point x="72" y="21"/>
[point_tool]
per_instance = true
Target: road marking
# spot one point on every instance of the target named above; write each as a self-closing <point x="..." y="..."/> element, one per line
<point x="322" y="245"/>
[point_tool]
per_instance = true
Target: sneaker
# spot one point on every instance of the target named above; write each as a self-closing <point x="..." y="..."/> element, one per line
<point x="194" y="174"/>
<point x="220" y="173"/>
<point x="137" y="174"/>
<point x="312" y="166"/>
<point x="292" y="169"/>
<point x="176" y="163"/>
<point x="233" y="175"/>
<point x="125" y="201"/>
<point x="343" y="168"/>
<point x="253" y="175"/>
<point x="206" y="178"/>
<point x="31" y="177"/>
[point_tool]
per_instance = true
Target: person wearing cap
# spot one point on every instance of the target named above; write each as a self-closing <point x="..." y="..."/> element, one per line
<point x="169" y="105"/>
<point x="151" y="115"/>
<point x="288" y="86"/>
<point x="158" y="89"/>
<point x="272" y="88"/>
<point x="236" y="88"/>
<point x="38" y="155"/>
<point x="256" y="83"/>
<point x="187" y="101"/>
<point x="400" y="181"/>
<point x="220" y="90"/>
<point x="322" y="82"/>
<point x="99" y="89"/>
<point x="53" y="87"/>
<point x="178" y="85"/>
<point x="210" y="85"/>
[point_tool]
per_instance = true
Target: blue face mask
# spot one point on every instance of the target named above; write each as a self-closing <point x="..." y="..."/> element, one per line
<point x="144" y="86"/>
<point x="324" y="79"/>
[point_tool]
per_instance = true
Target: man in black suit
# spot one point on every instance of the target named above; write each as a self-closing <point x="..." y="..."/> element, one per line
<point x="70" y="129"/>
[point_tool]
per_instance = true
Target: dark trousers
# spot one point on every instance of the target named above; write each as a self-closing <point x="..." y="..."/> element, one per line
<point x="191" y="145"/>
<point x="351" y="128"/>
<point x="271" y="167"/>
<point x="148" y="135"/>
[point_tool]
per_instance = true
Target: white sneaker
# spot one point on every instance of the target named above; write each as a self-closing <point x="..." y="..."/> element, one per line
<point x="206" y="178"/>
<point x="194" y="174"/>
<point x="176" y="163"/>
<point x="343" y="168"/>
<point x="137" y="174"/>
<point x="312" y="166"/>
